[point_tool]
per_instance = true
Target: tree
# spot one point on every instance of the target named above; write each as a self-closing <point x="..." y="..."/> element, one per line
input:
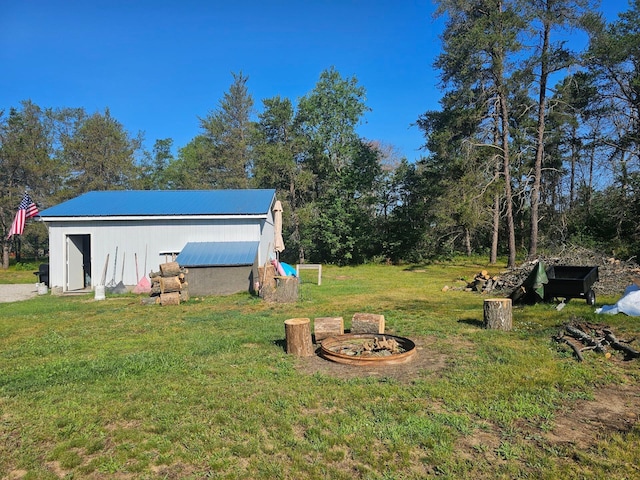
<point x="26" y="163"/>
<point x="227" y="158"/>
<point x="328" y="116"/>
<point x="457" y="171"/>
<point x="100" y="154"/>
<point x="279" y="153"/>
<point x="480" y="38"/>
<point x="343" y="228"/>
<point x="155" y="173"/>
<point x="343" y="166"/>
<point x="613" y="58"/>
<point x="545" y="17"/>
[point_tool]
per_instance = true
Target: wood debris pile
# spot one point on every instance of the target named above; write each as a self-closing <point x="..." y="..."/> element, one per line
<point x="376" y="347"/>
<point x="614" y="274"/>
<point x="583" y="336"/>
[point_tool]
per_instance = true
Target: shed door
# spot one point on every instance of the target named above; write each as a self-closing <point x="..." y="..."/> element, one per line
<point x="75" y="271"/>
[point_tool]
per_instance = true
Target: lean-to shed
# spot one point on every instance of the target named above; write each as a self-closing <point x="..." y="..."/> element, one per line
<point x="223" y="234"/>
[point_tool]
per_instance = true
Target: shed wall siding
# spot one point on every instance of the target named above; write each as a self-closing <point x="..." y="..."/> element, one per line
<point x="137" y="236"/>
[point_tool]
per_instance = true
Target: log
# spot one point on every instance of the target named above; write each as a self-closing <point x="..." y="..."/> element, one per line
<point x="618" y="345"/>
<point x="367" y="323"/>
<point x="170" y="284"/>
<point x="324" y="327"/>
<point x="285" y="290"/>
<point x="184" y="295"/>
<point x="576" y="350"/>
<point x="497" y="314"/>
<point x="172" y="298"/>
<point x="169" y="269"/>
<point x="267" y="276"/>
<point x="298" y="337"/>
<point x="149" y="300"/>
<point x="585" y="338"/>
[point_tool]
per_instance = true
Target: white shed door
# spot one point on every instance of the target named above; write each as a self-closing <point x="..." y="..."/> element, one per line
<point x="75" y="275"/>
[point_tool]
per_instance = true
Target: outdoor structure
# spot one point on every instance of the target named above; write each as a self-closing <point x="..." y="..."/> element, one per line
<point x="220" y="236"/>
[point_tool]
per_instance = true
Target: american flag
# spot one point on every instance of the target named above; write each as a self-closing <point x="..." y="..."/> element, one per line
<point x="27" y="209"/>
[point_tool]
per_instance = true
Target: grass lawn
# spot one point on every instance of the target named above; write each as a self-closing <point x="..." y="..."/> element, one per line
<point x="114" y="389"/>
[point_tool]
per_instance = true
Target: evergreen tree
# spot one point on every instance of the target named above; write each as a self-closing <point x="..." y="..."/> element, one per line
<point x="479" y="42"/>
<point x="100" y="155"/>
<point x="545" y="17"/>
<point x="226" y="160"/>
<point x="26" y="163"/>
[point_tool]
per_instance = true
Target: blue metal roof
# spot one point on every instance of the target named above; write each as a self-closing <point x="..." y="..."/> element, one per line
<point x="164" y="202"/>
<point x="207" y="254"/>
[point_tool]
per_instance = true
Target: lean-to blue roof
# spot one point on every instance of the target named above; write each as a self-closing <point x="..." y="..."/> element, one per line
<point x="164" y="202"/>
<point x="207" y="254"/>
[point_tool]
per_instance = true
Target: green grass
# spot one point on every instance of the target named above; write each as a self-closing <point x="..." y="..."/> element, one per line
<point x="22" y="272"/>
<point x="115" y="389"/>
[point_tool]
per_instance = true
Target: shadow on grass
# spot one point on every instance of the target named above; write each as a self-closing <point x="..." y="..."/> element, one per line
<point x="282" y="343"/>
<point x="472" y="321"/>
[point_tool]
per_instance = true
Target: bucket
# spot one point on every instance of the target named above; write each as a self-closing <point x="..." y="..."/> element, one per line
<point x="42" y="289"/>
<point x="99" y="292"/>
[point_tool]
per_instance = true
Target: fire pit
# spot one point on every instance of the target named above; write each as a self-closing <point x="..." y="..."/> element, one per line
<point x="367" y="349"/>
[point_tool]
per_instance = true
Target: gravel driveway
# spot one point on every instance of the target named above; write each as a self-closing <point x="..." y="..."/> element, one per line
<point x="16" y="292"/>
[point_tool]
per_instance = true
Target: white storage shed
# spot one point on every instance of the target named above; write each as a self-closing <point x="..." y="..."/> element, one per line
<point x="154" y="226"/>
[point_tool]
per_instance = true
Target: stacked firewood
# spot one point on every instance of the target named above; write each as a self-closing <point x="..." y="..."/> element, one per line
<point x="169" y="286"/>
<point x="485" y="283"/>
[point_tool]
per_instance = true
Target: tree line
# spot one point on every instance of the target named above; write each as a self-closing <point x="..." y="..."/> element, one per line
<point x="534" y="145"/>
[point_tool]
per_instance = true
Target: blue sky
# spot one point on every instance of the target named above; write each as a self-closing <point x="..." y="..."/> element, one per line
<point x="159" y="65"/>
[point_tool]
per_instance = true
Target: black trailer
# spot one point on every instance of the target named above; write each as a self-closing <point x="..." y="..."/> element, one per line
<point x="568" y="282"/>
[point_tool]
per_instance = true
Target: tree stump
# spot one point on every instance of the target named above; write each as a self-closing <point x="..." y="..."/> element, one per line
<point x="285" y="290"/>
<point x="497" y="314"/>
<point x="324" y="327"/>
<point x="367" y="323"/>
<point x="266" y="276"/>
<point x="298" y="336"/>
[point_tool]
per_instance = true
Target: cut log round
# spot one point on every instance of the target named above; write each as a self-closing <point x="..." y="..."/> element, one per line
<point x="497" y="314"/>
<point x="324" y="327"/>
<point x="170" y="284"/>
<point x="149" y="300"/>
<point x="170" y="269"/>
<point x="172" y="298"/>
<point x="298" y="337"/>
<point x="367" y="323"/>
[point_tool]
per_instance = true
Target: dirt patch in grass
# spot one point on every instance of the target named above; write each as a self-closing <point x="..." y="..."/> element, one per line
<point x="581" y="424"/>
<point x="614" y="409"/>
<point x="424" y="360"/>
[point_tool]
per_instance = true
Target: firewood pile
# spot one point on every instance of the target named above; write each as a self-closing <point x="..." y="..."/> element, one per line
<point x="614" y="274"/>
<point x="376" y="347"/>
<point x="583" y="336"/>
<point x="168" y="286"/>
<point x="485" y="283"/>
